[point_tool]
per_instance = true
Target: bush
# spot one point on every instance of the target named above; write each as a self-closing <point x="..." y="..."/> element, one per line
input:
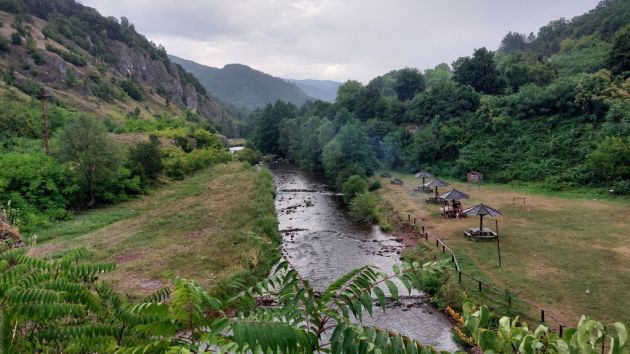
<point x="39" y="187"/>
<point x="4" y="44"/>
<point x="248" y="155"/>
<point x="177" y="163"/>
<point x="145" y="159"/>
<point x="69" y="56"/>
<point x="376" y="185"/>
<point x="133" y="89"/>
<point x="16" y="38"/>
<point x="364" y="207"/>
<point x="353" y="186"/>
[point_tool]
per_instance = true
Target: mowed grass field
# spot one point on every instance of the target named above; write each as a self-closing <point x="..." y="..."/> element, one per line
<point x="201" y="228"/>
<point x="566" y="252"/>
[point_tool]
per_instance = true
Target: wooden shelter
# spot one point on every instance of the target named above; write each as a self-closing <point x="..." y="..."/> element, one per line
<point x="481" y="210"/>
<point x="424" y="174"/>
<point x="434" y="184"/>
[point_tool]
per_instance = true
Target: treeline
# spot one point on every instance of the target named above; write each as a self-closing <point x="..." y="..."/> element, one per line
<point x="89" y="165"/>
<point x="515" y="115"/>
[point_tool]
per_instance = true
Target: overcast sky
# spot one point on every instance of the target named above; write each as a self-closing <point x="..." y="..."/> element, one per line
<point x="334" y="39"/>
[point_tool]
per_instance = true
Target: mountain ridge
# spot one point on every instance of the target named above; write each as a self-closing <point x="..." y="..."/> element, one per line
<point x="243" y="86"/>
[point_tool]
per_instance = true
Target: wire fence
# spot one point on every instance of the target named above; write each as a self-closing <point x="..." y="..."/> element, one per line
<point x="469" y="281"/>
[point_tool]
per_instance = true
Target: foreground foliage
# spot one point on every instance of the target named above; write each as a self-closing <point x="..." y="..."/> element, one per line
<point x="510" y="335"/>
<point x="58" y="304"/>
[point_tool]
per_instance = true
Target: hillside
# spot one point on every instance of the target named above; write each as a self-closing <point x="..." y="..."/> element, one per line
<point x="95" y="64"/>
<point x="325" y="90"/>
<point x="243" y="86"/>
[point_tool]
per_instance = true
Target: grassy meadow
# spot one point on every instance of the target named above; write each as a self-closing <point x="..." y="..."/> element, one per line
<point x="567" y="252"/>
<point x="205" y="228"/>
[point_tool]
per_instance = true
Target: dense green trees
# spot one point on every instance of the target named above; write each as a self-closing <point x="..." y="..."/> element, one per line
<point x="532" y="111"/>
<point x="619" y="57"/>
<point x="352" y="187"/>
<point x="479" y="71"/>
<point x="267" y="133"/>
<point x="409" y="82"/>
<point x="86" y="145"/>
<point x="349" y="153"/>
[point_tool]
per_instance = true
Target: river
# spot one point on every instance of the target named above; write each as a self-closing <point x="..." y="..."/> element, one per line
<point x="324" y="243"/>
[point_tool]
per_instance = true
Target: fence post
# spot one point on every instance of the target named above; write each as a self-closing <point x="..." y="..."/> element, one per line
<point x="460" y="276"/>
<point x="479" y="281"/>
<point x="452" y="258"/>
<point x="436" y="243"/>
<point x="542" y="315"/>
<point x="443" y="250"/>
<point x="560" y="329"/>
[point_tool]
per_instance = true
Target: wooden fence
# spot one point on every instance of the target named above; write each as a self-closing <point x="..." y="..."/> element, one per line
<point x="482" y="286"/>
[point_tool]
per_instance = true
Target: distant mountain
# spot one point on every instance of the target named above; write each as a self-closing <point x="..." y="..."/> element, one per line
<point x="324" y="90"/>
<point x="243" y="86"/>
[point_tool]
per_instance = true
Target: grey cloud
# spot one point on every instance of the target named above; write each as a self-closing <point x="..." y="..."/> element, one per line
<point x="333" y="39"/>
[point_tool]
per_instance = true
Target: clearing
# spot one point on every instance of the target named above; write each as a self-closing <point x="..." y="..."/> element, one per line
<point x="201" y="228"/>
<point x="564" y="252"/>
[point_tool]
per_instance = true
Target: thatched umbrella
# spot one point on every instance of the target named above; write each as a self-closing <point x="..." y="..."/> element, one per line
<point x="481" y="210"/>
<point x="435" y="184"/>
<point x="454" y="195"/>
<point x="423" y="175"/>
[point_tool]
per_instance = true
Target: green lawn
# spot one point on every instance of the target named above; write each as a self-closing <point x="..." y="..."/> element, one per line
<point x="568" y="252"/>
<point x="202" y="228"/>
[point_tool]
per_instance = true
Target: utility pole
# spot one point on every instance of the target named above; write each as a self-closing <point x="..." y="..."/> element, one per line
<point x="43" y="98"/>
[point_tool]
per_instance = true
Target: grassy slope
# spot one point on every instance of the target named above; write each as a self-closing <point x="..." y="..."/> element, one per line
<point x="553" y="248"/>
<point x="201" y="228"/>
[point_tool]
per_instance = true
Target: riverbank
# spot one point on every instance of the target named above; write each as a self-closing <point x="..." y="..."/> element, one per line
<point x="564" y="253"/>
<point x="214" y="227"/>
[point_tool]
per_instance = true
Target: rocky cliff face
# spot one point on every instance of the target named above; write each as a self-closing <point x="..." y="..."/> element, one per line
<point x="41" y="62"/>
<point x="136" y="64"/>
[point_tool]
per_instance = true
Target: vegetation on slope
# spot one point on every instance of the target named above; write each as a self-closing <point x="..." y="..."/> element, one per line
<point x="559" y="117"/>
<point x="243" y="86"/>
<point x="93" y="162"/>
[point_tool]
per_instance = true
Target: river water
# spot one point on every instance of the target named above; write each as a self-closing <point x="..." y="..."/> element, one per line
<point x="324" y="243"/>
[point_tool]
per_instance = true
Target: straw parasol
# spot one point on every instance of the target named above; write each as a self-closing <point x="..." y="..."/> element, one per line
<point x="435" y="184"/>
<point x="423" y="175"/>
<point x="454" y="195"/>
<point x="481" y="210"/>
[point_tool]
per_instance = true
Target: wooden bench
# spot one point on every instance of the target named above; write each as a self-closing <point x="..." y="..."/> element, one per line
<point x="474" y="234"/>
<point x="435" y="200"/>
<point x="386" y="175"/>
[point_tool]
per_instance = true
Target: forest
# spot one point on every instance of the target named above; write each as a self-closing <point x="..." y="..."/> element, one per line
<point x="551" y="108"/>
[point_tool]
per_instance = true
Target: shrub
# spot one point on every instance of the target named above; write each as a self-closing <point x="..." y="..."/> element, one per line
<point x="248" y="155"/>
<point x="69" y="56"/>
<point x="145" y="159"/>
<point x="375" y="185"/>
<point x="133" y="89"/>
<point x="365" y="207"/>
<point x="16" y="38"/>
<point x="4" y="44"/>
<point x="353" y="186"/>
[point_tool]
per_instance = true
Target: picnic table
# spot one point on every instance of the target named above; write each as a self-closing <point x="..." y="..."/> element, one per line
<point x="397" y="181"/>
<point x="386" y="175"/>
<point x="423" y="189"/>
<point x="435" y="200"/>
<point x="474" y="234"/>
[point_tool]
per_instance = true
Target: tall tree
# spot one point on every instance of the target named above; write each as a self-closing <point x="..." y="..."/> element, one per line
<point x="513" y="42"/>
<point x="267" y="132"/>
<point x="479" y="71"/>
<point x="86" y="144"/>
<point x="349" y="153"/>
<point x="409" y="82"/>
<point x="619" y="56"/>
